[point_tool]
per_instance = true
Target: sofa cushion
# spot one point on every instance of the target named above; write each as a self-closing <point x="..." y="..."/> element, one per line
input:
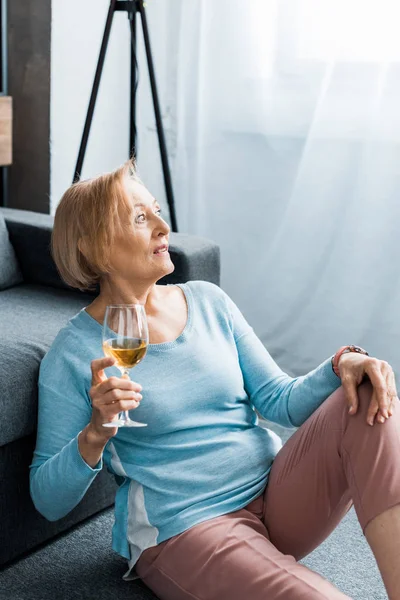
<point x="9" y="270"/>
<point x="30" y="317"/>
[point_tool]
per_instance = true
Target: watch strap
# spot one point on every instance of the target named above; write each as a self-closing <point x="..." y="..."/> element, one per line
<point x="344" y="350"/>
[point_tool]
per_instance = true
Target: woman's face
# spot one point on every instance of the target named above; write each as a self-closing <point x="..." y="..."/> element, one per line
<point x="133" y="254"/>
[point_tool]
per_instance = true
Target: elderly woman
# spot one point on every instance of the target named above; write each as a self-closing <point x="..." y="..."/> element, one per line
<point x="210" y="505"/>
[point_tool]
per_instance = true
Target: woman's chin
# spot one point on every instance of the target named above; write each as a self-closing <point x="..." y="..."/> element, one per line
<point x="167" y="266"/>
<point x="171" y="267"/>
<point x="164" y="264"/>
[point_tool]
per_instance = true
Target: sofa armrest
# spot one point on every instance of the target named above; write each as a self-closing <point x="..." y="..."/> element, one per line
<point x="194" y="257"/>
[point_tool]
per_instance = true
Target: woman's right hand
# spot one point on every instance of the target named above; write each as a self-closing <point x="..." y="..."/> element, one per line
<point x="109" y="397"/>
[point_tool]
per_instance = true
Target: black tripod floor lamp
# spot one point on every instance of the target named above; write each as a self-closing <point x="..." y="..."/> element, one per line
<point x="131" y="7"/>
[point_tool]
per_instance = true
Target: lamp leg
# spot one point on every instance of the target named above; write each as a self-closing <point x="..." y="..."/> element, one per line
<point x="95" y="89"/>
<point x="157" y="112"/>
<point x="132" y="122"/>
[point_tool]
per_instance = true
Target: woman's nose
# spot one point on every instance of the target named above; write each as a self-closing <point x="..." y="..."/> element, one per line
<point x="164" y="227"/>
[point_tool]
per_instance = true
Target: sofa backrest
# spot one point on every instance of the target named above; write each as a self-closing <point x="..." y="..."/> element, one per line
<point x="194" y="257"/>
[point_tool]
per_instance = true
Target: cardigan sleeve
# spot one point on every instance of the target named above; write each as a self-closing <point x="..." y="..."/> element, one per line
<point x="59" y="477"/>
<point x="277" y="396"/>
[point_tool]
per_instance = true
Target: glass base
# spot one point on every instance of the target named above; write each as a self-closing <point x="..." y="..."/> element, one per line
<point x="122" y="423"/>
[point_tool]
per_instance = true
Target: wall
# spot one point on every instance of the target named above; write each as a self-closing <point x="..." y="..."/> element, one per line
<point x="77" y="30"/>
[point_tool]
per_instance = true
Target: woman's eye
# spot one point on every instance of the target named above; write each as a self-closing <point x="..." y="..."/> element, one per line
<point x="144" y="216"/>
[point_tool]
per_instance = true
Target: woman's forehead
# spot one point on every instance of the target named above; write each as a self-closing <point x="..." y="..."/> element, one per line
<point x="139" y="194"/>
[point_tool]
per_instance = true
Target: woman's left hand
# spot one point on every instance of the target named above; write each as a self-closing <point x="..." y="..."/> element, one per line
<point x="352" y="368"/>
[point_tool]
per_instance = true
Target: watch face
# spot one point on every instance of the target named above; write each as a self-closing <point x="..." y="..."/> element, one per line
<point x="358" y="349"/>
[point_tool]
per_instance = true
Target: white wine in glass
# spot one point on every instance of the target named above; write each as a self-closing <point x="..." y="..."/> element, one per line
<point x="125" y="338"/>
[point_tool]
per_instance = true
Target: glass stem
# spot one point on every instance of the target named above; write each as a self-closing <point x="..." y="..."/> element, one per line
<point x="124" y="415"/>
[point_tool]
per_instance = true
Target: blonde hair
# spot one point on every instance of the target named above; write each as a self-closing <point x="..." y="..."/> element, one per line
<point x="89" y="216"/>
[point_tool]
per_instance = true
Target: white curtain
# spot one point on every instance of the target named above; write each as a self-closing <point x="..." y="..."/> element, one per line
<point x="283" y="129"/>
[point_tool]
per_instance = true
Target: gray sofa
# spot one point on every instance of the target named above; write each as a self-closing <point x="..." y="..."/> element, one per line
<point x="31" y="314"/>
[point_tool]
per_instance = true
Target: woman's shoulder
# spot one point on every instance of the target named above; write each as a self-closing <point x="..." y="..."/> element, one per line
<point x="210" y="298"/>
<point x="209" y="293"/>
<point x="205" y="288"/>
<point x="228" y="312"/>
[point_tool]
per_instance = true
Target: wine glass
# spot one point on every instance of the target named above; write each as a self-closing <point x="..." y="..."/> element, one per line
<point x="125" y="338"/>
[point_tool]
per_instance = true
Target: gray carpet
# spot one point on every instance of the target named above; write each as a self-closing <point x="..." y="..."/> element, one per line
<point x="80" y="565"/>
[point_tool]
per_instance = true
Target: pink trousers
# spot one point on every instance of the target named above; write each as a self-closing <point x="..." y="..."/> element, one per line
<point x="331" y="462"/>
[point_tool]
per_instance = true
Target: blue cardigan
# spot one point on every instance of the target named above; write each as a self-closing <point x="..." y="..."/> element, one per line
<point x="203" y="453"/>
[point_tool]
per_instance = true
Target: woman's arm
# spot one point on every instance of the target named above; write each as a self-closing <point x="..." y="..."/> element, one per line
<point x="285" y="400"/>
<point x="90" y="446"/>
<point x="59" y="476"/>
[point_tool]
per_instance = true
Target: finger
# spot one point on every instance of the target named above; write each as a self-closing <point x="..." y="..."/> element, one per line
<point x="97" y="366"/>
<point x="392" y="391"/>
<point x="392" y="395"/>
<point x="372" y="409"/>
<point x="114" y="409"/>
<point x="112" y="413"/>
<point x="380" y="417"/>
<point x="120" y="383"/>
<point x="350" y="390"/>
<point x="378" y="381"/>
<point x="114" y="396"/>
<point x="387" y="372"/>
<point x="392" y="405"/>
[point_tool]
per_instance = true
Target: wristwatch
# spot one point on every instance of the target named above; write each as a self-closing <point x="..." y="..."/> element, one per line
<point x="343" y="350"/>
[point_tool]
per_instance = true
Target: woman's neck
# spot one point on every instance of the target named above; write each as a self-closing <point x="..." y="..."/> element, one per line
<point x="150" y="297"/>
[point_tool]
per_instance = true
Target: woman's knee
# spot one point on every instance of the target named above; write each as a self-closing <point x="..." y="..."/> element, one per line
<point x="365" y="393"/>
<point x="338" y="404"/>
